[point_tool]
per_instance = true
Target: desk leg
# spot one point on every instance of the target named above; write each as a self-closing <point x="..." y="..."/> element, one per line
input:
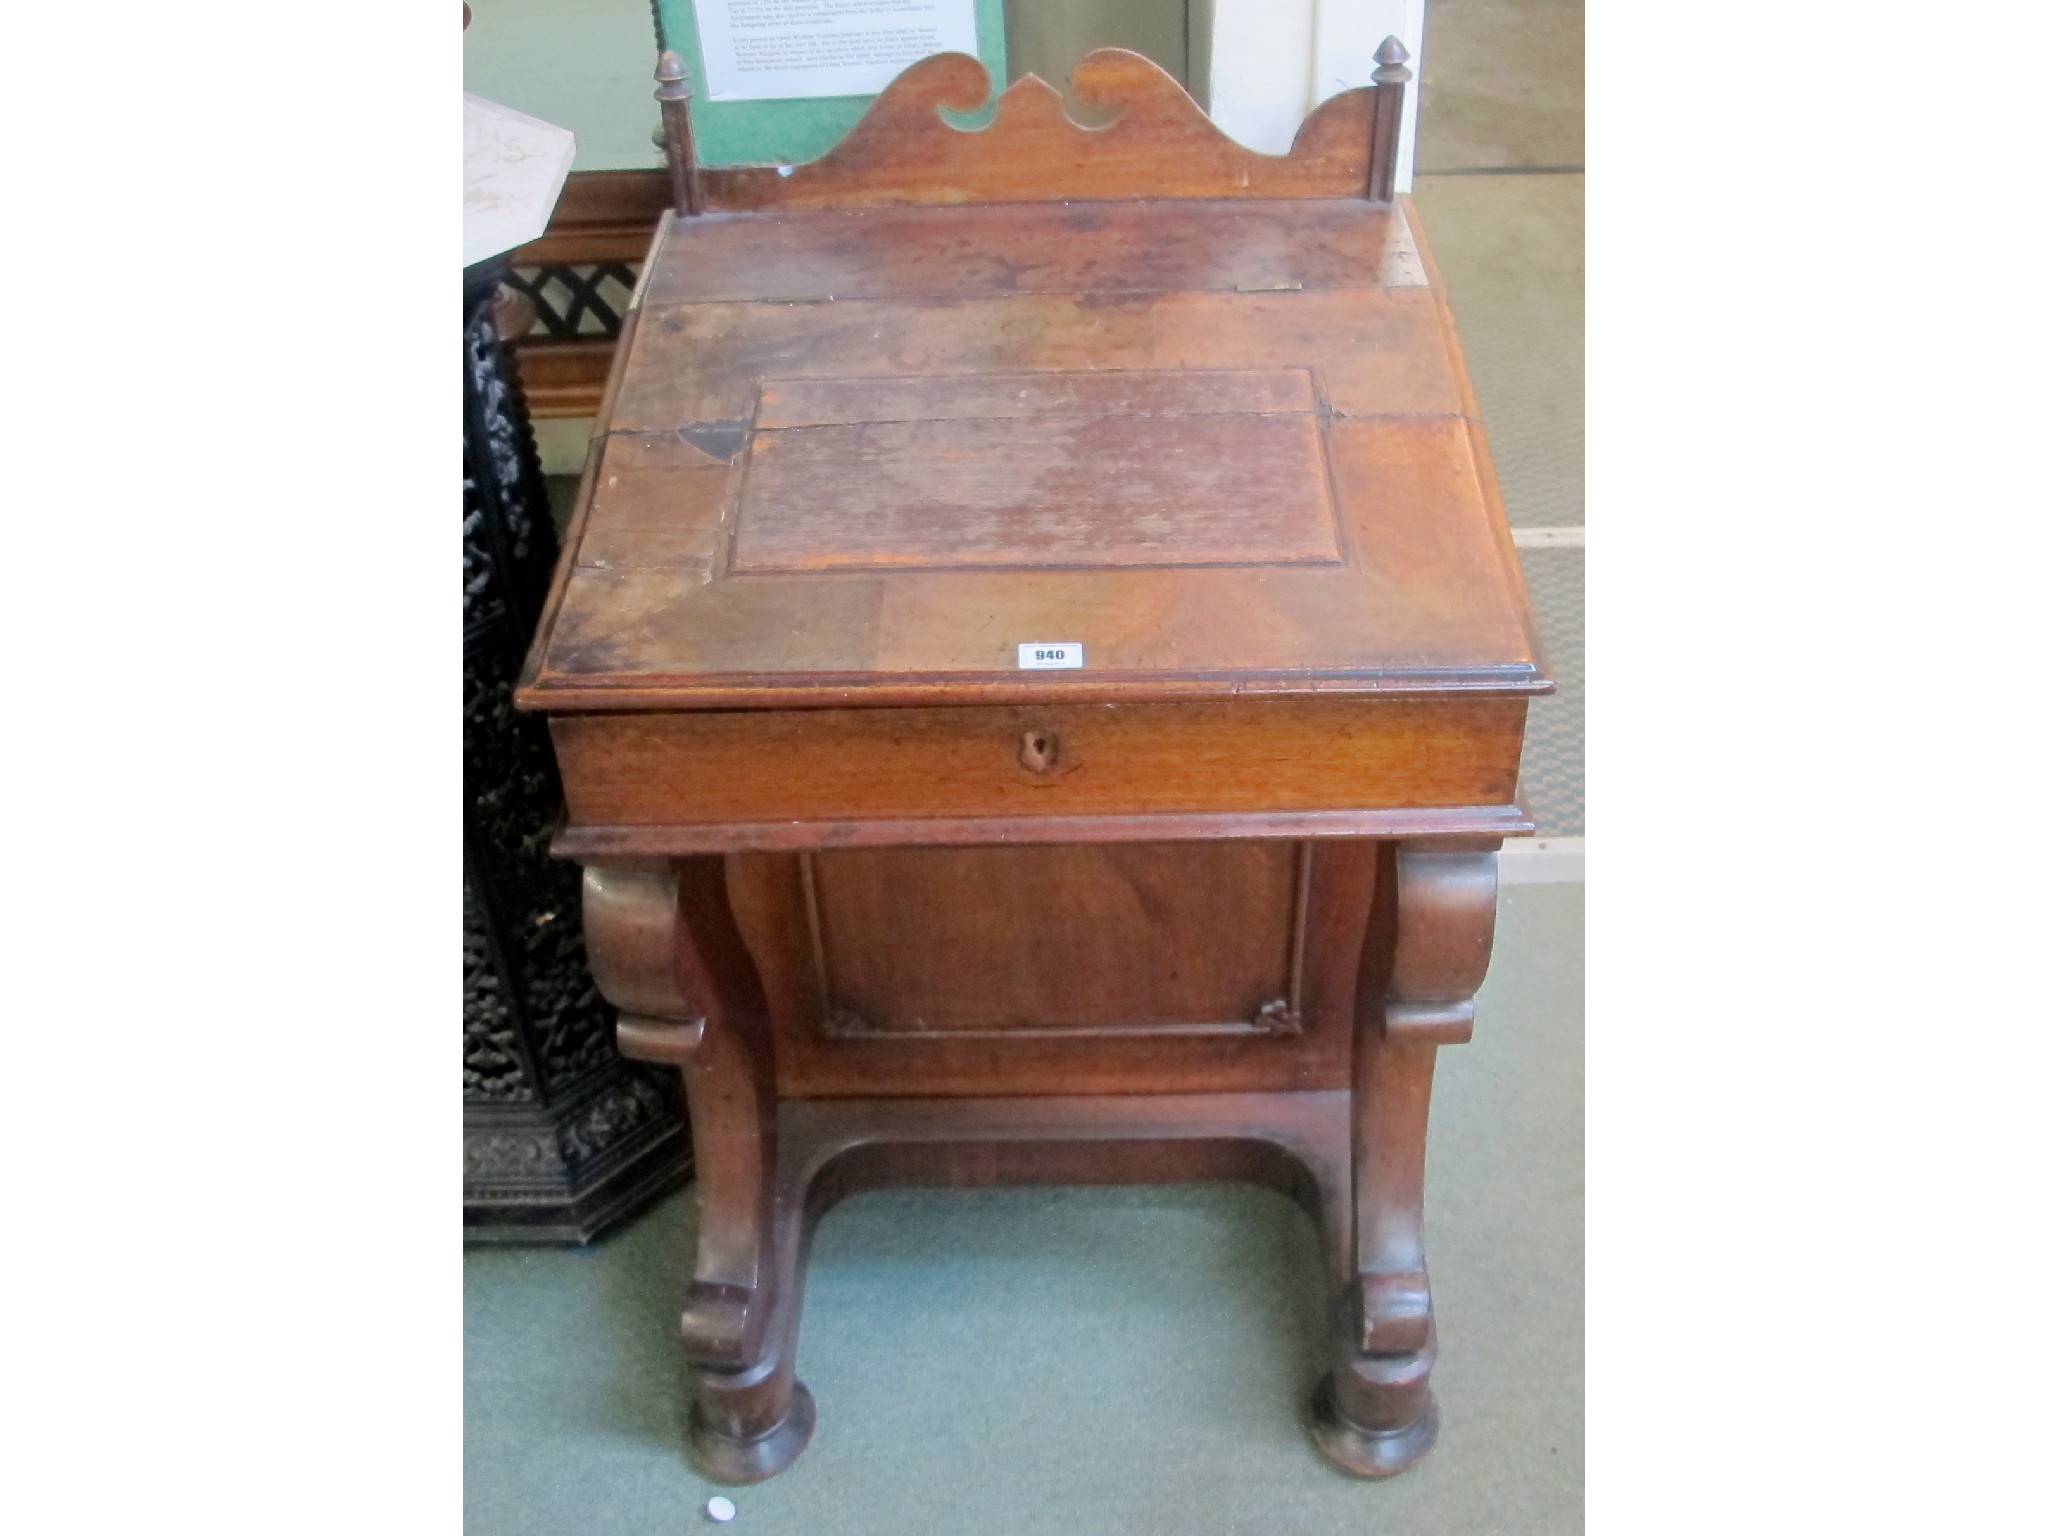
<point x="1374" y="1414"/>
<point x="665" y="951"/>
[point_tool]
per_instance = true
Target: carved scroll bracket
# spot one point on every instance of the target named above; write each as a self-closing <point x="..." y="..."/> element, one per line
<point x="1444" y="900"/>
<point x="629" y="928"/>
<point x="664" y="949"/>
<point x="662" y="1040"/>
<point x="1444" y="941"/>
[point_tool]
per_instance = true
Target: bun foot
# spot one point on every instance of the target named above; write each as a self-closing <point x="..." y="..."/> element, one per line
<point x="1369" y="1452"/>
<point x="724" y="1459"/>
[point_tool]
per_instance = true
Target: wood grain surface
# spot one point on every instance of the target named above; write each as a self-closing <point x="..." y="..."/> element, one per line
<point x="1112" y="1016"/>
<point x="1066" y="247"/>
<point x="818" y="499"/>
<point x="877" y="764"/>
<point x="1036" y="471"/>
<point x="1374" y="351"/>
<point x="1158" y="143"/>
<point x="1103" y="939"/>
<point x="1424" y="597"/>
<point x="670" y="839"/>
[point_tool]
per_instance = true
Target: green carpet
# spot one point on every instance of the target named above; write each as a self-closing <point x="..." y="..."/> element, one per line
<point x="1513" y="254"/>
<point x="1554" y="748"/>
<point x="1085" y="1360"/>
<point x="1503" y="85"/>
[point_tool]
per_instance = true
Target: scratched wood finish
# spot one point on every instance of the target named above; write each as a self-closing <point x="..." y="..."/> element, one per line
<point x="1158" y="144"/>
<point x="1033" y="396"/>
<point x="1037" y="470"/>
<point x="806" y="256"/>
<point x="809" y="256"/>
<point x="1428" y="594"/>
<point x="1375" y="351"/>
<point x="882" y="764"/>
<point x="766" y="458"/>
<point x="1070" y="1030"/>
<point x="942" y="550"/>
<point x="600" y="216"/>
<point x="1144" y="938"/>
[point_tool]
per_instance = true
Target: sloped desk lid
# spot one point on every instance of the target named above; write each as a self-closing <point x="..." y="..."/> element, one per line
<point x="866" y="454"/>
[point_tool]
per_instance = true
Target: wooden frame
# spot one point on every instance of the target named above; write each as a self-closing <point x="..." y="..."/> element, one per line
<point x="818" y="810"/>
<point x="1034" y="149"/>
<point x="1156" y="143"/>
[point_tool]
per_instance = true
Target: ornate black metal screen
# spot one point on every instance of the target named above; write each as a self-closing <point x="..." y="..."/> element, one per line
<point x="576" y="300"/>
<point x="560" y="1135"/>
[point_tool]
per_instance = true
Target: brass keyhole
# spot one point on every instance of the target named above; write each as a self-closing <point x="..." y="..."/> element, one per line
<point x="1039" y="751"/>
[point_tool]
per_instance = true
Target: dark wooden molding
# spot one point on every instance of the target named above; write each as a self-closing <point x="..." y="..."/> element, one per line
<point x="600" y="216"/>
<point x="603" y="842"/>
<point x="566" y="378"/>
<point x="603" y="219"/>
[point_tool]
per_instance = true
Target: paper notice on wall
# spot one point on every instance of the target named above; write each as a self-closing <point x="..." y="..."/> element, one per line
<point x="759" y="50"/>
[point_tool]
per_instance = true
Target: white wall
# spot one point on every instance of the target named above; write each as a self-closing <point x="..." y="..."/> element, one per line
<point x="1272" y="61"/>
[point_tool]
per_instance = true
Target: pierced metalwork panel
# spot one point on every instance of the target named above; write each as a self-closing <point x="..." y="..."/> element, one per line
<point x="560" y="1135"/>
<point x="584" y="299"/>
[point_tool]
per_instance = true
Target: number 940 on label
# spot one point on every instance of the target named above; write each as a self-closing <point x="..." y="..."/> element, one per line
<point x="1034" y="654"/>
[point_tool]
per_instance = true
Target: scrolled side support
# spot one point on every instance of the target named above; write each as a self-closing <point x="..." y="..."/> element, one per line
<point x="1374" y="1415"/>
<point x="665" y="950"/>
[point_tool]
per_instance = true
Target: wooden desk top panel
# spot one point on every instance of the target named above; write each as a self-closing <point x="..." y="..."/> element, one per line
<point x="862" y="454"/>
<point x="1077" y="470"/>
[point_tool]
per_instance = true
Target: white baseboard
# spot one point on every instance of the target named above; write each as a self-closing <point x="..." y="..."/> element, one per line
<point x="562" y="441"/>
<point x="1542" y="860"/>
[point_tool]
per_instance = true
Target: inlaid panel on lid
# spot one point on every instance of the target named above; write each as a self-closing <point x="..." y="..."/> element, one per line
<point x="1055" y="469"/>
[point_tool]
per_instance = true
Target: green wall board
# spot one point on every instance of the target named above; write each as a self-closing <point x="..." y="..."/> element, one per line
<point x="774" y="132"/>
<point x="588" y="65"/>
<point x="777" y="132"/>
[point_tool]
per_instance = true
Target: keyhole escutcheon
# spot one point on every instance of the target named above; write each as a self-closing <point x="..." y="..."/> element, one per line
<point x="1039" y="751"/>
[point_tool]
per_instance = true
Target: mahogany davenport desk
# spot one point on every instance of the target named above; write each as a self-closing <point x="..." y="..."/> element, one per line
<point x="1038" y="671"/>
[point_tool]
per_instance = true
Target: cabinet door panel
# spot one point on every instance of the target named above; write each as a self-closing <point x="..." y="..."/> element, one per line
<point x="1148" y="967"/>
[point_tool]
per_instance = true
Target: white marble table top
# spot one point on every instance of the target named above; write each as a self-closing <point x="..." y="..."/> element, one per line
<point x="513" y="168"/>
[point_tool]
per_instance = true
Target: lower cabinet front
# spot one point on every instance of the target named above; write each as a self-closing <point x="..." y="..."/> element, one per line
<point x="1107" y="968"/>
<point x="846" y="1019"/>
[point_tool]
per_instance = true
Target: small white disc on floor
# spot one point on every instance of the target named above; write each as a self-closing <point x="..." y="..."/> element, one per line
<point x="721" y="1509"/>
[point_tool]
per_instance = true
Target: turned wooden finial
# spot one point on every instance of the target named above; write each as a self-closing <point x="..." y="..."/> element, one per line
<point x="1390" y="88"/>
<point x="673" y="92"/>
